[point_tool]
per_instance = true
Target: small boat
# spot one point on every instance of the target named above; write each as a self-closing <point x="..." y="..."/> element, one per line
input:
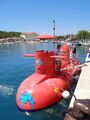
<point x="78" y="43"/>
<point x="45" y="87"/>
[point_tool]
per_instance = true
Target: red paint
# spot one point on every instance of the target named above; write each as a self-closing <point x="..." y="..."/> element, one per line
<point x="45" y="37"/>
<point x="45" y="86"/>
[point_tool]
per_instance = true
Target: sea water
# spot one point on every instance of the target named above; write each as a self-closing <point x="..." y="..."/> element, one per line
<point x="14" y="68"/>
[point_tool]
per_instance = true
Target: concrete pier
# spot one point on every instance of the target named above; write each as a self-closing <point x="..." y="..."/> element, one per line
<point x="82" y="90"/>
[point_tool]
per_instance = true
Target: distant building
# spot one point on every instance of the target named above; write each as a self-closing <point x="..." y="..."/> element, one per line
<point x="29" y="36"/>
<point x="71" y="37"/>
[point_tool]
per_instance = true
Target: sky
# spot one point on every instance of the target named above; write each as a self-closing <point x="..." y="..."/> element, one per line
<point x="37" y="16"/>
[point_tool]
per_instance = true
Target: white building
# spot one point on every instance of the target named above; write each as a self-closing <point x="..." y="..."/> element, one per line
<point x="29" y="36"/>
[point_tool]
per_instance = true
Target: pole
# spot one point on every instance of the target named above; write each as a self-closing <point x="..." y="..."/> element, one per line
<point x="54" y="31"/>
<point x="54" y="28"/>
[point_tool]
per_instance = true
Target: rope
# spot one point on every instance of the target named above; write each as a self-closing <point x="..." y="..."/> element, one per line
<point x="76" y="66"/>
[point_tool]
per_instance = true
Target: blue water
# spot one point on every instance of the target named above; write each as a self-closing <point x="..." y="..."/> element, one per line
<point x="14" y="68"/>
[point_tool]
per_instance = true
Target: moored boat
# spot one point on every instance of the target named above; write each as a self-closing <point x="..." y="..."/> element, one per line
<point x="44" y="88"/>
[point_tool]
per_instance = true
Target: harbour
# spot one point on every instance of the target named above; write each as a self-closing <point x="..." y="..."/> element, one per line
<point x="44" y="60"/>
<point x="14" y="68"/>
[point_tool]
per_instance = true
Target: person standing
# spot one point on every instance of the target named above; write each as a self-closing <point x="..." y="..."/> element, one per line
<point x="74" y="50"/>
<point x="57" y="60"/>
<point x="58" y="50"/>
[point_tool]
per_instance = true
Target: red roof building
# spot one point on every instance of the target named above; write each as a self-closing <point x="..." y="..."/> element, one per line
<point x="44" y="37"/>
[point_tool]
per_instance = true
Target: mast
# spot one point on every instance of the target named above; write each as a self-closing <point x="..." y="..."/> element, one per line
<point x="54" y="28"/>
<point x="54" y="31"/>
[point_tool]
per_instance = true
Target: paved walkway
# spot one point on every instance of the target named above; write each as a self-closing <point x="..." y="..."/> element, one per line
<point x="82" y="90"/>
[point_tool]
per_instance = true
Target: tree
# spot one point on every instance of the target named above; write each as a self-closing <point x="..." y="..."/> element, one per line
<point x="83" y="35"/>
<point x="60" y="37"/>
<point x="4" y="34"/>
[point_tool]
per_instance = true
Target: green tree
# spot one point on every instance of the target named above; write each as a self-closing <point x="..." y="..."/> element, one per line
<point x="83" y="35"/>
<point x="4" y="34"/>
<point x="60" y="37"/>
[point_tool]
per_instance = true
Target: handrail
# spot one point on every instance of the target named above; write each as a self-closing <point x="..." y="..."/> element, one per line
<point x="29" y="55"/>
<point x="56" y="56"/>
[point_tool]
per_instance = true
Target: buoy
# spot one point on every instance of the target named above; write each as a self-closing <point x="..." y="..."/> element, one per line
<point x="65" y="94"/>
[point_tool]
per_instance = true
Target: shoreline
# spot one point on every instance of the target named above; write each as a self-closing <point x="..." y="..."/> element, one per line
<point x="10" y="40"/>
<point x="13" y="40"/>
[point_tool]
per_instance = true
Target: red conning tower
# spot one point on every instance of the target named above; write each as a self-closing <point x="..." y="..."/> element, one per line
<point x="44" y="63"/>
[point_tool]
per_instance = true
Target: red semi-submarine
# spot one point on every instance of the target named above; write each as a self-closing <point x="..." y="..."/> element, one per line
<point x="44" y="88"/>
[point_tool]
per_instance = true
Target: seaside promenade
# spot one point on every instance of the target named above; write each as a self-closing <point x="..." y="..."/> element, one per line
<point x="82" y="90"/>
